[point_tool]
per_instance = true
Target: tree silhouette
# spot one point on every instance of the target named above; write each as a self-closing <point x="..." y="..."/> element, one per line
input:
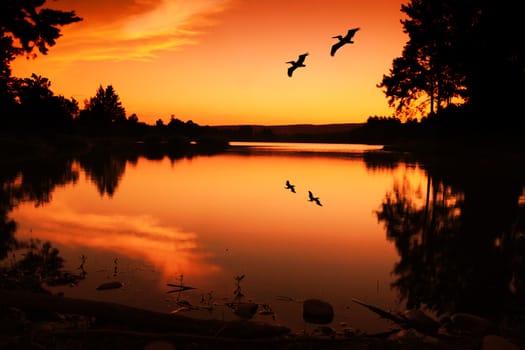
<point x="39" y="108"/>
<point x="423" y="77"/>
<point x="459" y="51"/>
<point x="494" y="59"/>
<point x="104" y="109"/>
<point x="134" y="118"/>
<point x="7" y="54"/>
<point x="26" y="27"/>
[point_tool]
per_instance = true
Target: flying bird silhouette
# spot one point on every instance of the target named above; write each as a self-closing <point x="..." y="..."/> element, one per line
<point x="296" y="64"/>
<point x="289" y="186"/>
<point x="347" y="39"/>
<point x="311" y="198"/>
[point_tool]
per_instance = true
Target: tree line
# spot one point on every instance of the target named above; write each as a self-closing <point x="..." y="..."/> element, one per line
<point x="463" y="64"/>
<point x="28" y="28"/>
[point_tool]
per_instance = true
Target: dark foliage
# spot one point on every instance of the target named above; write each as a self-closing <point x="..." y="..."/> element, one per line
<point x="26" y="27"/>
<point x="460" y="52"/>
<point x="103" y="110"/>
<point x="32" y="26"/>
<point x="460" y="240"/>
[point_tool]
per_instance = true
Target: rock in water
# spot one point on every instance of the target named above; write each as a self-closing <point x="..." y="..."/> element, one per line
<point x="110" y="285"/>
<point x="246" y="310"/>
<point x="317" y="311"/>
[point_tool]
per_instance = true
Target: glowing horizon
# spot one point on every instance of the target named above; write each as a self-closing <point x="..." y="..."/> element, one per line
<point x="220" y="62"/>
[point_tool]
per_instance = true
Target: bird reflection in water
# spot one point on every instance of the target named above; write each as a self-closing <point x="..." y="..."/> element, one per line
<point x="289" y="186"/>
<point x="312" y="198"/>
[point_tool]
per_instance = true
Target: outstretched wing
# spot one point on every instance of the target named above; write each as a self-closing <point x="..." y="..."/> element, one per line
<point x="290" y="70"/>
<point x="302" y="58"/>
<point x="351" y="33"/>
<point x="335" y="47"/>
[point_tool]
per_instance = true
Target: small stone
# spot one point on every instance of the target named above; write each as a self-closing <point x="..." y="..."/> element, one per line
<point x="317" y="311"/>
<point x="246" y="310"/>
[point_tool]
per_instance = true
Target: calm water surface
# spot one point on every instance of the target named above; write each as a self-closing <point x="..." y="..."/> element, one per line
<point x="207" y="219"/>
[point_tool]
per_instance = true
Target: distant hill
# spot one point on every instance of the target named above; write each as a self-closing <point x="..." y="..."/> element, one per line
<point x="292" y="132"/>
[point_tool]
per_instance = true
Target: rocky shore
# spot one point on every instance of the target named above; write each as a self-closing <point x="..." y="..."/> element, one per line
<point x="44" y="321"/>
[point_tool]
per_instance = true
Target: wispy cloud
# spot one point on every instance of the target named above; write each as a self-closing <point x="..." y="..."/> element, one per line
<point x="147" y="28"/>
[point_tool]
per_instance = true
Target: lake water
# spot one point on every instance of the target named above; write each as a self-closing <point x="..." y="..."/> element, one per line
<point x="202" y="221"/>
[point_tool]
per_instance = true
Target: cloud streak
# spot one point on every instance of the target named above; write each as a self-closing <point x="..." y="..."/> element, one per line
<point x="142" y="32"/>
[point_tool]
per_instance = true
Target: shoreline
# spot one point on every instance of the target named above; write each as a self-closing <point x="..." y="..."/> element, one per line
<point x="42" y="321"/>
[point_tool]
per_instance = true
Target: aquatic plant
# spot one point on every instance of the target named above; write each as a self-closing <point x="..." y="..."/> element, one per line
<point x="83" y="272"/>
<point x="238" y="295"/>
<point x="179" y="287"/>
<point x="40" y="264"/>
<point x="207" y="301"/>
<point x="115" y="268"/>
<point x="247" y="309"/>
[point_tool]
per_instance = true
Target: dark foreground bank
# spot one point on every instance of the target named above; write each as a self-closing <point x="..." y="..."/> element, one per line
<point x="43" y="321"/>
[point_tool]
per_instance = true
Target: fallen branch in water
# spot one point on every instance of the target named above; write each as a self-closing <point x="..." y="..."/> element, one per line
<point x="383" y="313"/>
<point x="415" y="319"/>
<point x="179" y="288"/>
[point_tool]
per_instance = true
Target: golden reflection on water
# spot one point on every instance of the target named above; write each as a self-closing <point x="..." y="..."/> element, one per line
<point x="212" y="218"/>
<point x="136" y="236"/>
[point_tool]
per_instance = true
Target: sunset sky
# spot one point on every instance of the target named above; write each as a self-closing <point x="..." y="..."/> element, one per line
<point x="222" y="62"/>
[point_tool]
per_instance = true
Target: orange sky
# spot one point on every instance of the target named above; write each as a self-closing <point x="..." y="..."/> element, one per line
<point x="222" y="62"/>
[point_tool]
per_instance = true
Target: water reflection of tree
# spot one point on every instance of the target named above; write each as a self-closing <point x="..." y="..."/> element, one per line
<point x="7" y="230"/>
<point x="31" y="182"/>
<point x="34" y="181"/>
<point x="7" y="225"/>
<point x="28" y="181"/>
<point x="104" y="170"/>
<point x="461" y="243"/>
<point x="40" y="178"/>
